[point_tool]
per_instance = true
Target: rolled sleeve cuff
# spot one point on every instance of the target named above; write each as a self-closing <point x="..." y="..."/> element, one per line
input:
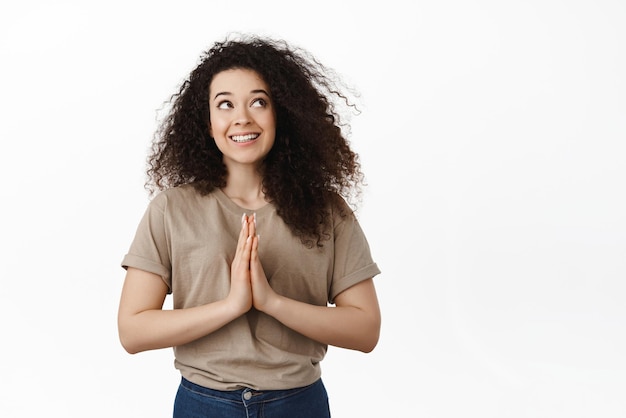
<point x="135" y="261"/>
<point x="350" y="280"/>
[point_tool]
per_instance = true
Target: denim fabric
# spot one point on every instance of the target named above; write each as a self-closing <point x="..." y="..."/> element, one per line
<point x="194" y="401"/>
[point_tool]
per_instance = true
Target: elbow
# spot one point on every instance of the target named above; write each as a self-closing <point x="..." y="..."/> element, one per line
<point x="128" y="339"/>
<point x="130" y="348"/>
<point x="371" y="339"/>
<point x="128" y="344"/>
<point x="368" y="348"/>
<point x="369" y="344"/>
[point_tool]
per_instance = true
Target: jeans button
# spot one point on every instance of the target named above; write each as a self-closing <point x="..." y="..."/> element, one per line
<point x="247" y="396"/>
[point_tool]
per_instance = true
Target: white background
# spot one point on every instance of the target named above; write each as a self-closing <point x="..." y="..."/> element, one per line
<point x="493" y="140"/>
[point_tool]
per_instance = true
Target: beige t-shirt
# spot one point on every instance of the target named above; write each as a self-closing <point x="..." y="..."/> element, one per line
<point x="189" y="240"/>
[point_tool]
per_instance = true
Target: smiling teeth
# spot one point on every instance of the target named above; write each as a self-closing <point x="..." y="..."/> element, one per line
<point x="244" y="138"/>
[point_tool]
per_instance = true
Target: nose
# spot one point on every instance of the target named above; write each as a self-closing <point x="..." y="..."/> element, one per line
<point x="242" y="116"/>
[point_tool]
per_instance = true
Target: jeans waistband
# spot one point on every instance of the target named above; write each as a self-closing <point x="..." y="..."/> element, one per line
<point x="246" y="395"/>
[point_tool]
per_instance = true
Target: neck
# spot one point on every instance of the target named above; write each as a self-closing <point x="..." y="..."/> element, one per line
<point x="244" y="187"/>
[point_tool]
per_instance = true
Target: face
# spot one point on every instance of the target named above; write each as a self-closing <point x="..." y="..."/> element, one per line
<point x="242" y="116"/>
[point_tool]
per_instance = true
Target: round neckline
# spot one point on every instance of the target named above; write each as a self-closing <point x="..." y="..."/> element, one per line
<point x="234" y="207"/>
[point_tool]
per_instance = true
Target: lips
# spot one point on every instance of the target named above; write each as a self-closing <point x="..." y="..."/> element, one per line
<point x="240" y="139"/>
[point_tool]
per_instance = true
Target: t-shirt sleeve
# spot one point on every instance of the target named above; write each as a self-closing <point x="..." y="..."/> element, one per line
<point x="149" y="249"/>
<point x="353" y="260"/>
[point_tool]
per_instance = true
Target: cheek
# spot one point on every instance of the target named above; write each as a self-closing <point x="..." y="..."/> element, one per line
<point x="270" y="123"/>
<point x="216" y="126"/>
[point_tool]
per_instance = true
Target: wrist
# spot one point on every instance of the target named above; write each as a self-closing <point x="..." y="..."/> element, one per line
<point x="235" y="308"/>
<point x="273" y="305"/>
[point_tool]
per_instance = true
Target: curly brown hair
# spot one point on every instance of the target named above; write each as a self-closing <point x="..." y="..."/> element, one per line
<point x="311" y="164"/>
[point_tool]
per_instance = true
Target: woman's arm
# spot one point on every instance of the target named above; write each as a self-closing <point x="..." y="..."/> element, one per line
<point x="144" y="325"/>
<point x="353" y="323"/>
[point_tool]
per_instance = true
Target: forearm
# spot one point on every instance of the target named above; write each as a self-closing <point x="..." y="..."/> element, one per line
<point x="342" y="326"/>
<point x="155" y="328"/>
<point x="144" y="325"/>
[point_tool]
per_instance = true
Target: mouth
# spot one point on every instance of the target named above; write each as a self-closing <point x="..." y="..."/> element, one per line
<point x="240" y="139"/>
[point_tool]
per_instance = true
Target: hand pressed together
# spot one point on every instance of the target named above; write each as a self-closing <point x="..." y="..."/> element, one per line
<point x="249" y="285"/>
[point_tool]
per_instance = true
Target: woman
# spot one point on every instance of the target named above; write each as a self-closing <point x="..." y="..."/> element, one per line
<point x="251" y="234"/>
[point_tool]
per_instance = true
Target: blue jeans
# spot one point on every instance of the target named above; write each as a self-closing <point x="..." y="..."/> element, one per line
<point x="194" y="401"/>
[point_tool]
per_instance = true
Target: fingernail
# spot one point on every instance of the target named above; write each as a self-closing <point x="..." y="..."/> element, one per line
<point x="254" y="218"/>
<point x="243" y="217"/>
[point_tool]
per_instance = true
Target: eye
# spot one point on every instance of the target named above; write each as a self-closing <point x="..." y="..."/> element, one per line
<point x="225" y="105"/>
<point x="260" y="102"/>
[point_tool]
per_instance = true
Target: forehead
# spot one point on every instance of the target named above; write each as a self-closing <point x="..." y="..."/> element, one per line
<point x="237" y="81"/>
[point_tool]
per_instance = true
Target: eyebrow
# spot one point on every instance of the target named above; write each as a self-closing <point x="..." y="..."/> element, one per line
<point x="227" y="93"/>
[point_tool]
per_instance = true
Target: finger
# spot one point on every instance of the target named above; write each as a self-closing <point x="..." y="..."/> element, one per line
<point x="244" y="232"/>
<point x="245" y="254"/>
<point x="241" y="262"/>
<point x="252" y="225"/>
<point x="241" y="244"/>
<point x="254" y="252"/>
